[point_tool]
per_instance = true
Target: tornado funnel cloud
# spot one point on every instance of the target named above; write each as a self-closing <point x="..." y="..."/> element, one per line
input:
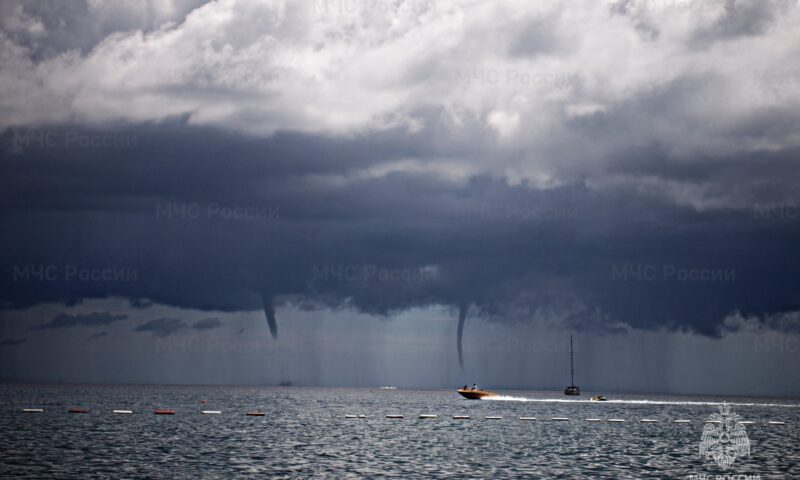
<point x="269" y="312"/>
<point x="462" y="317"/>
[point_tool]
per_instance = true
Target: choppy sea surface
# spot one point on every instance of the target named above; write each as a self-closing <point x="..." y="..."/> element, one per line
<point x="305" y="433"/>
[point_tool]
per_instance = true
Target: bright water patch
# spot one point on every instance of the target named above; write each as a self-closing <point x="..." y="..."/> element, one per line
<point x="508" y="398"/>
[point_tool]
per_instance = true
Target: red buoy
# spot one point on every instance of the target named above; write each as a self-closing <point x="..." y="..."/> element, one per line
<point x="78" y="410"/>
<point x="164" y="412"/>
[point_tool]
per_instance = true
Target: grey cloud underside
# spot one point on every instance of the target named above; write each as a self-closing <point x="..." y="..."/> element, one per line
<point x="66" y="320"/>
<point x="511" y="251"/>
<point x="207" y="324"/>
<point x="162" y="327"/>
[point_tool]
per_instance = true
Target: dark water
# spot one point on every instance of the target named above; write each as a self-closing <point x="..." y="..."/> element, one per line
<point x="305" y="434"/>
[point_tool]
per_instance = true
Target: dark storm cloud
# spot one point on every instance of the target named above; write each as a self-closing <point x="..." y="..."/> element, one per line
<point x="66" y="320"/>
<point x="207" y="324"/>
<point x="162" y="327"/>
<point x="391" y="242"/>
<point x="12" y="342"/>
<point x="98" y="335"/>
<point x="619" y="197"/>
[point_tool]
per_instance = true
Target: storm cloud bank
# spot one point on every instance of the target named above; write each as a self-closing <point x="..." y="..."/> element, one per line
<point x="616" y="164"/>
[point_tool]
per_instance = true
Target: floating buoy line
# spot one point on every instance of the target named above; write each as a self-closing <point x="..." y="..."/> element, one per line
<point x="422" y="416"/>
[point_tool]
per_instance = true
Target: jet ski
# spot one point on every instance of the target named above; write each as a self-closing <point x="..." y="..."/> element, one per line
<point x="598" y="398"/>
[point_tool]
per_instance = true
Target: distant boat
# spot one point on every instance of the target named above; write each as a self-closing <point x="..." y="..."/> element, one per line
<point x="388" y="388"/>
<point x="475" y="394"/>
<point x="572" y="389"/>
<point x="598" y="398"/>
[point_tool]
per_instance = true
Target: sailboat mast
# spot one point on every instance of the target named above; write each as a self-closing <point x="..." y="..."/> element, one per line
<point x="571" y="365"/>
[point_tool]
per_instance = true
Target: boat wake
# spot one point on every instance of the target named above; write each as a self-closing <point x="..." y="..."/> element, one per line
<point x="509" y="398"/>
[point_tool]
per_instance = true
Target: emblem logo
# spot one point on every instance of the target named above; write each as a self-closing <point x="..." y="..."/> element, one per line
<point x="724" y="439"/>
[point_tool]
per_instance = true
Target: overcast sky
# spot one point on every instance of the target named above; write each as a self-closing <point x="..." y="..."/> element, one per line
<point x="326" y="192"/>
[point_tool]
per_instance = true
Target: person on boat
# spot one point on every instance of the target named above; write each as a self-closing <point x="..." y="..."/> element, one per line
<point x="465" y="387"/>
<point x="475" y="386"/>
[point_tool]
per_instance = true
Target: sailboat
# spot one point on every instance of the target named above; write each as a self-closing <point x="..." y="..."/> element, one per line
<point x="572" y="389"/>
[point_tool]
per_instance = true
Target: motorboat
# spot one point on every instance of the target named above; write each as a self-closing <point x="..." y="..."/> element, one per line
<point x="598" y="398"/>
<point x="475" y="394"/>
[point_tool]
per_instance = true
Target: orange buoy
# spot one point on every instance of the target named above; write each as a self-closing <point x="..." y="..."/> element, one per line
<point x="255" y="414"/>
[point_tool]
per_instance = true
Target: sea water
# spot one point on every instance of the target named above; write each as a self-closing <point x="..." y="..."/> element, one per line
<point x="305" y="433"/>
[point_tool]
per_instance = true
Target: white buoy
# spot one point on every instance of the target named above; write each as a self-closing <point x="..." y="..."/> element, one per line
<point x="460" y="417"/>
<point x="713" y="421"/>
<point x="682" y="421"/>
<point x="428" y="416"/>
<point x="211" y="412"/>
<point x="776" y="423"/>
<point x="123" y="412"/>
<point x="394" y="416"/>
<point x="648" y="420"/>
<point x="527" y="418"/>
<point x="616" y="420"/>
<point x="745" y="422"/>
<point x="351" y="416"/>
<point x="32" y="410"/>
<point x="594" y="419"/>
<point x="493" y="418"/>
<point x="560" y="419"/>
<point x="362" y="416"/>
